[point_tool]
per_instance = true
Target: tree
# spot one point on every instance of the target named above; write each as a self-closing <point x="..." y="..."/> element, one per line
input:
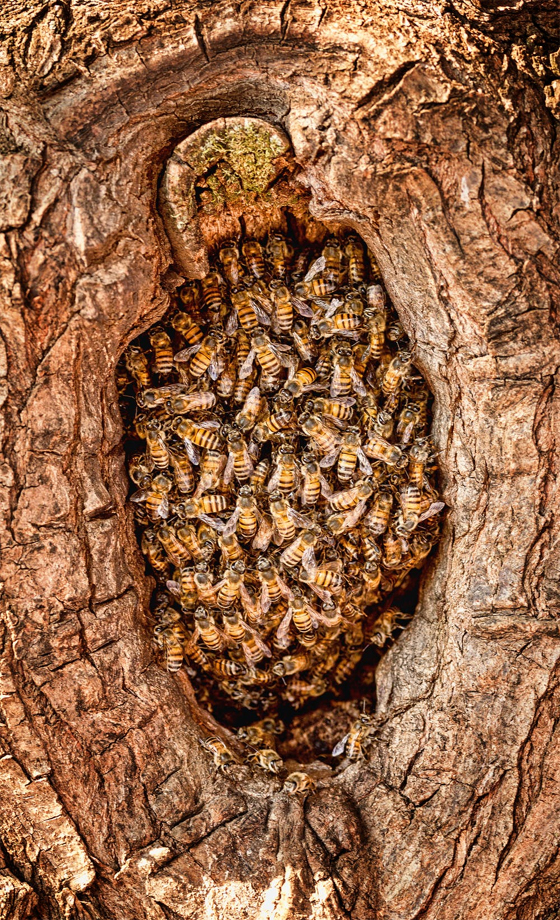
<point x="430" y="127"/>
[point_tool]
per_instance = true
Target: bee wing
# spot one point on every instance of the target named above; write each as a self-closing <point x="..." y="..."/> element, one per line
<point x="354" y="516"/>
<point x="264" y="534"/>
<point x="262" y="316"/>
<point x="139" y="496"/>
<point x="247" y="366"/>
<point x="434" y="508"/>
<point x="232" y="323"/>
<point x="283" y="629"/>
<point x="163" y="510"/>
<point x="192" y="450"/>
<point x="338" y="749"/>
<point x="302" y="520"/>
<point x="358" y="383"/>
<point x="208" y="423"/>
<point x="308" y="560"/>
<point x="231" y="524"/>
<point x="174" y="587"/>
<point x="187" y="353"/>
<point x="247" y="601"/>
<point x="332" y="307"/>
<point x="303" y="308"/>
<point x="337" y="422"/>
<point x="329" y="459"/>
<point x="346" y="401"/>
<point x="364" y="463"/>
<point x="216" y="366"/>
<point x="326" y="597"/>
<point x="228" y="472"/>
<point x="286" y="591"/>
<point x="315" y="269"/>
<point x="336" y="382"/>
<point x="213" y="522"/>
<point x="326" y="490"/>
<point x="265" y="601"/>
<point x="274" y="480"/>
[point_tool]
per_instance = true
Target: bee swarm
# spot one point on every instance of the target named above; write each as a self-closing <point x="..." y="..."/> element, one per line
<point x="285" y="488"/>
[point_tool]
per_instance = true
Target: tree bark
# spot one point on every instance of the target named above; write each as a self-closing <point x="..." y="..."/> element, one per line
<point x="430" y="129"/>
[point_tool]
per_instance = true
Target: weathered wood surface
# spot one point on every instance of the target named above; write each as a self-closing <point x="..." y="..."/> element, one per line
<point x="425" y="126"/>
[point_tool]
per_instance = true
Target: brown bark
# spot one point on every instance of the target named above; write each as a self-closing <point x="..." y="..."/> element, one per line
<point x="426" y="127"/>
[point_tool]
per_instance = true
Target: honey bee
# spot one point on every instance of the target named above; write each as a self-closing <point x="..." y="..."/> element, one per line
<point x="306" y="349"/>
<point x="223" y="758"/>
<point x="346" y="666"/>
<point x="345" y="324"/>
<point x="300" y="550"/>
<point x="268" y="759"/>
<point x="248" y="311"/>
<point x="356" y="260"/>
<point x="286" y="518"/>
<point x="381" y="449"/>
<point x="283" y="308"/>
<point x="206" y="629"/>
<point x="239" y="463"/>
<point x="202" y="435"/>
<point x="167" y="639"/>
<point x="231" y="549"/>
<point x="156" y="497"/>
<point x="325" y="438"/>
<point x="259" y="475"/>
<point x="204" y="356"/>
<point x="411" y="499"/>
<point x="386" y="624"/>
<point x="350" y="454"/>
<point x="175" y="549"/>
<point x="163" y="351"/>
<point x="392" y="550"/>
<point x="341" y="409"/>
<point x="232" y="588"/>
<point x="199" y="401"/>
<point x="229" y="257"/>
<point x="254" y="259"/>
<point x="183" y="586"/>
<point x="286" y="473"/>
<point x="273" y="588"/>
<point x="153" y="551"/>
<point x="312" y="481"/>
<point x="270" y="357"/>
<point x="248" y="415"/>
<point x="188" y="328"/>
<point x="356" y="739"/>
<point x="370" y="547"/>
<point x="140" y="469"/>
<point x="292" y="664"/>
<point x="303" y="616"/>
<point x="211" y="468"/>
<point x="270" y="426"/>
<point x="245" y="518"/>
<point x="383" y="424"/>
<point x="182" y="470"/>
<point x="396" y="372"/>
<point x="342" y="501"/>
<point x="137" y="366"/>
<point x="157" y="448"/>
<point x="376" y="325"/>
<point x="225" y="669"/>
<point x="298" y="783"/>
<point x="345" y="378"/>
<point x="279" y="252"/>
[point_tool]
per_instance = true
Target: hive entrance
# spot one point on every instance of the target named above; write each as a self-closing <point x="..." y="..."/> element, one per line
<point x="278" y="445"/>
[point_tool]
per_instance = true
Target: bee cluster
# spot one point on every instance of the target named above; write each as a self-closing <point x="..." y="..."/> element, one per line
<point x="285" y="485"/>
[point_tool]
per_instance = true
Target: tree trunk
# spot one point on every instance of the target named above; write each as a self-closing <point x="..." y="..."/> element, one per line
<point x="426" y="127"/>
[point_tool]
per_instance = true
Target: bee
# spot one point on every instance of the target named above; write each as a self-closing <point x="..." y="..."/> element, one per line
<point x="371" y="574"/>
<point x="417" y="459"/>
<point x="202" y="435"/>
<point x="211" y="467"/>
<point x="204" y="585"/>
<point x="350" y="454"/>
<point x="292" y="664"/>
<point x="225" y="669"/>
<point x="333" y="256"/>
<point x="248" y="311"/>
<point x="303" y="616"/>
<point x="175" y="549"/>
<point x="300" y="550"/>
<point x="242" y="388"/>
<point x="269" y="356"/>
<point x="300" y="383"/>
<point x="324" y="437"/>
<point x="286" y="518"/>
<point x="206" y="629"/>
<point x="283" y="308"/>
<point x="199" y="401"/>
<point x="223" y="758"/>
<point x="246" y="418"/>
<point x="318" y="287"/>
<point x="188" y="535"/>
<point x="188" y="328"/>
<point x="184" y="587"/>
<point x="137" y="366"/>
<point x="163" y="351"/>
<point x="140" y="468"/>
<point x="345" y="378"/>
<point x="239" y="463"/>
<point x="273" y="588"/>
<point x="326" y="655"/>
<point x="356" y="739"/>
<point x="341" y="409"/>
<point x="254" y="648"/>
<point x="254" y="259"/>
<point x="298" y="783"/>
<point x="392" y="550"/>
<point x="279" y="252"/>
<point x="156" y="497"/>
<point x="230" y="547"/>
<point x="280" y="418"/>
<point x="169" y="641"/>
<point x="232" y="587"/>
<point x="370" y="546"/>
<point x="204" y="356"/>
<point x="286" y="473"/>
<point x="267" y="759"/>
<point x="342" y="501"/>
<point x="153" y="551"/>
<point x="354" y="251"/>
<point x="182" y="470"/>
<point x="229" y="257"/>
<point x="411" y="499"/>
<point x="376" y="324"/>
<point x="211" y="287"/>
<point x="157" y="448"/>
<point x="345" y="324"/>
<point x="386" y="624"/>
<point x="381" y="449"/>
<point x="258" y="476"/>
<point x="346" y="666"/>
<point x="245" y="518"/>
<point x="306" y="349"/>
<point x="312" y="481"/>
<point x="396" y="371"/>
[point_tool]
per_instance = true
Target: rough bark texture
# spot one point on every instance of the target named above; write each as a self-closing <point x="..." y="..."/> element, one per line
<point x="425" y="126"/>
